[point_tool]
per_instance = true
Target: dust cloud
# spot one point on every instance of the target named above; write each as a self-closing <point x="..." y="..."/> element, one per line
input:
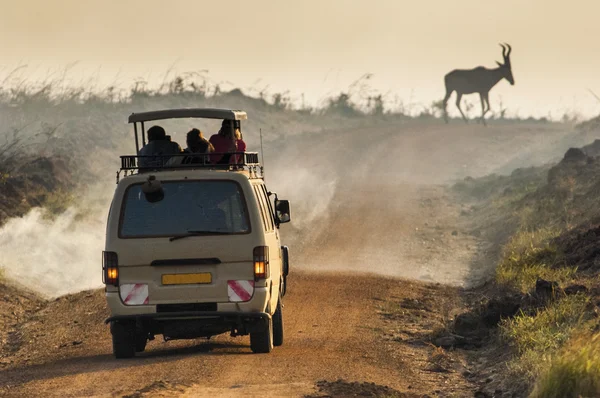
<point x="359" y="203"/>
<point x="54" y="256"/>
<point x="57" y="254"/>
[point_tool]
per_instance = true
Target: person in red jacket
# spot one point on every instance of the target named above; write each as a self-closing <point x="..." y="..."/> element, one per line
<point x="225" y="144"/>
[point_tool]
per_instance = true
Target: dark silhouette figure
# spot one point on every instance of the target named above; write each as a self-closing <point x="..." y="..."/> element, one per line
<point x="479" y="80"/>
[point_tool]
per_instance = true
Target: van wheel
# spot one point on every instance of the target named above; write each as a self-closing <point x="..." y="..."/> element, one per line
<point x="123" y="339"/>
<point x="278" y="325"/>
<point x="140" y="342"/>
<point x="262" y="342"/>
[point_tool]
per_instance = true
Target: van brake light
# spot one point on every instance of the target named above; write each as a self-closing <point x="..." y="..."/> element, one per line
<point x="261" y="262"/>
<point x="110" y="268"/>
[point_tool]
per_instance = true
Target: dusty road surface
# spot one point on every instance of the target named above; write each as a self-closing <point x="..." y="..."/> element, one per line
<point x="379" y="251"/>
<point x="335" y="327"/>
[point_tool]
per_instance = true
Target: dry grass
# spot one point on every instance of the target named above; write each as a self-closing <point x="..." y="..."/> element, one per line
<point x="439" y="360"/>
<point x="530" y="255"/>
<point x="538" y="336"/>
<point x="574" y="373"/>
<point x="550" y="354"/>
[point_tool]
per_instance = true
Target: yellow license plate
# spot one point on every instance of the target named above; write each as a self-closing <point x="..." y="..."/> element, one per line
<point x="186" y="279"/>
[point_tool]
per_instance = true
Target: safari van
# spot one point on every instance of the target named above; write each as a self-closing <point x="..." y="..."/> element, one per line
<point x="193" y="249"/>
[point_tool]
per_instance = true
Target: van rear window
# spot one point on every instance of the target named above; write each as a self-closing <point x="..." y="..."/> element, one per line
<point x="204" y="206"/>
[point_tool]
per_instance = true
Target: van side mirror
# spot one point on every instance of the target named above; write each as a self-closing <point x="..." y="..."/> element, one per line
<point x="152" y="190"/>
<point x="282" y="211"/>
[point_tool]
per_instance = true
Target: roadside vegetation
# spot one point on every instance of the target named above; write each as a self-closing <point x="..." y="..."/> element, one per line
<point x="57" y="135"/>
<point x="549" y="223"/>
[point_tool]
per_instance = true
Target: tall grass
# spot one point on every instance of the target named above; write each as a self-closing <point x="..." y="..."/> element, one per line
<point x="551" y="356"/>
<point x="574" y="373"/>
<point x="539" y="335"/>
<point x="530" y="255"/>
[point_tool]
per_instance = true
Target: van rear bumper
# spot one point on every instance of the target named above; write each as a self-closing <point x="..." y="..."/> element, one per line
<point x="226" y="317"/>
<point x="194" y="324"/>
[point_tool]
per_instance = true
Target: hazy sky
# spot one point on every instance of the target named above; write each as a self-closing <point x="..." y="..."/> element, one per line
<point x="318" y="47"/>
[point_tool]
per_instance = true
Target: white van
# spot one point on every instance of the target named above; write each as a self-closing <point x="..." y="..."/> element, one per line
<point x="194" y="250"/>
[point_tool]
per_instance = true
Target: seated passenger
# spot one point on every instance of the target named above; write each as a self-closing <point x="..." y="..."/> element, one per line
<point x="225" y="144"/>
<point x="157" y="145"/>
<point x="197" y="144"/>
<point x="176" y="146"/>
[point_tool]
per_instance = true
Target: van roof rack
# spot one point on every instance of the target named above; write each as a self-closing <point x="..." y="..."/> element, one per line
<point x="247" y="161"/>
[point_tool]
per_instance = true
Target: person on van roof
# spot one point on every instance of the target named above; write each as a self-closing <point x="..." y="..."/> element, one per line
<point x="197" y="144"/>
<point x="227" y="141"/>
<point x="175" y="145"/>
<point x="158" y="145"/>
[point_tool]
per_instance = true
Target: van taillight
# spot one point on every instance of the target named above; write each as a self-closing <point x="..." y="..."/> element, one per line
<point x="261" y="262"/>
<point x="110" y="268"/>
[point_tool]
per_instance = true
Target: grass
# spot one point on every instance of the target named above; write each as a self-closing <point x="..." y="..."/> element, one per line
<point x="530" y="255"/>
<point x="539" y="335"/>
<point x="574" y="373"/>
<point x="556" y="346"/>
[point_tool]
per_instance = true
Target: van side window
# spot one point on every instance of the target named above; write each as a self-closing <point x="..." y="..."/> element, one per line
<point x="269" y="206"/>
<point x="261" y="206"/>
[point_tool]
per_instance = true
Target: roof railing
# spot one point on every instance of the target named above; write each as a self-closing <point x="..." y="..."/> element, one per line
<point x="231" y="161"/>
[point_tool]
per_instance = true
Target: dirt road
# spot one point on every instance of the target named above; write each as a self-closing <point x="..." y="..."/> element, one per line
<point x="334" y="328"/>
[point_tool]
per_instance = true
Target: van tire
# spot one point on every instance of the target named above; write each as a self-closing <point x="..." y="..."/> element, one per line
<point x="123" y="339"/>
<point x="278" y="325"/>
<point x="140" y="342"/>
<point x="262" y="342"/>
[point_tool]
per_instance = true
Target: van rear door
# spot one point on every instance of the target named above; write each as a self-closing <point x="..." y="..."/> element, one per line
<point x="187" y="246"/>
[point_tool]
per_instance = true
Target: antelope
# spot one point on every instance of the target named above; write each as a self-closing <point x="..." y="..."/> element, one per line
<point x="479" y="80"/>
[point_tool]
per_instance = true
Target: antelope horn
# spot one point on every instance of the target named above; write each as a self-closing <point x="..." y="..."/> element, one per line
<point x="503" y="50"/>
<point x="509" y="50"/>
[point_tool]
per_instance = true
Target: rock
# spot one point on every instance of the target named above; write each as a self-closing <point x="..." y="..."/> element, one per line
<point x="466" y="322"/>
<point x="450" y="341"/>
<point x="496" y="309"/>
<point x="445" y="341"/>
<point x="545" y="289"/>
<point x="592" y="149"/>
<point x="574" y="289"/>
<point x="574" y="154"/>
